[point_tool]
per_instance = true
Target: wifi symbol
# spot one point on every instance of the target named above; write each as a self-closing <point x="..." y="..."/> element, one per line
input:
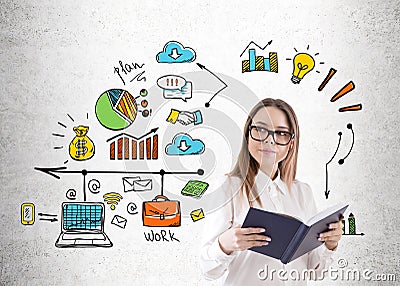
<point x="112" y="199"/>
<point x="343" y="91"/>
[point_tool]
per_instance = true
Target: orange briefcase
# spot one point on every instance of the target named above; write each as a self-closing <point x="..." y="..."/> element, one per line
<point x="161" y="212"/>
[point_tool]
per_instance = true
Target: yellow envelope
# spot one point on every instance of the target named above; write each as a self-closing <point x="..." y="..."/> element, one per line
<point x="197" y="214"/>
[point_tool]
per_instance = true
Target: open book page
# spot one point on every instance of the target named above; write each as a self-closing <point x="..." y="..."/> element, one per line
<point x="322" y="221"/>
<point x="290" y="216"/>
<point x="321" y="215"/>
<point x="280" y="228"/>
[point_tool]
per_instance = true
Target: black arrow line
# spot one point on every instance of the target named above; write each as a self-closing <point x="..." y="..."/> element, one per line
<point x="349" y="126"/>
<point x="50" y="171"/>
<point x="131" y="136"/>
<point x="84" y="172"/>
<point x="84" y="185"/>
<point x="42" y="214"/>
<point x="326" y="167"/>
<point x="225" y="85"/>
<point x="154" y="130"/>
<point x="269" y="43"/>
<point x="63" y="170"/>
<point x="354" y="234"/>
<point x="49" y="219"/>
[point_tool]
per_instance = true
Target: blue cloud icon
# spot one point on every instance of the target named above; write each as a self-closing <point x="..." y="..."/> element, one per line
<point x="183" y="144"/>
<point x="174" y="52"/>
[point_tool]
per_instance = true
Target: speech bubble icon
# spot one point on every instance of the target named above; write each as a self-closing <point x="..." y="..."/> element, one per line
<point x="171" y="82"/>
<point x="184" y="93"/>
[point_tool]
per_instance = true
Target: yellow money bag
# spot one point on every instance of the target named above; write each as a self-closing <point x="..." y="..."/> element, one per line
<point x="81" y="147"/>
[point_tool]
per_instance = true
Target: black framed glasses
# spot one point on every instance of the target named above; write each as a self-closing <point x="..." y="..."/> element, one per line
<point x="259" y="133"/>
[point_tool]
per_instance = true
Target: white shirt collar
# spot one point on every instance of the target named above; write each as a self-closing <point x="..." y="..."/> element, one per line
<point x="263" y="181"/>
<point x="280" y="184"/>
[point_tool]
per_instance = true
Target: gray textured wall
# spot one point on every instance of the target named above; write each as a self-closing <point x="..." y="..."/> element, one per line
<point x="58" y="57"/>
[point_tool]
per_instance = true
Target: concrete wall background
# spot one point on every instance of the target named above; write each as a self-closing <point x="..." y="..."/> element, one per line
<point x="58" y="57"/>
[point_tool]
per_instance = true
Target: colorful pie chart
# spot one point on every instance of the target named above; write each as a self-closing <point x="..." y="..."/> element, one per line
<point x="116" y="109"/>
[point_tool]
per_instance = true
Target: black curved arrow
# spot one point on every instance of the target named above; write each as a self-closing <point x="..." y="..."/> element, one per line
<point x="326" y="167"/>
<point x="225" y="85"/>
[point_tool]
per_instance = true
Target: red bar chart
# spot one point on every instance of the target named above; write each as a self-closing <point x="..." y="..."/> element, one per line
<point x="127" y="147"/>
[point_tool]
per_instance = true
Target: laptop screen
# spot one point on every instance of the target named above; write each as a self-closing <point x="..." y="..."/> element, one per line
<point x="78" y="216"/>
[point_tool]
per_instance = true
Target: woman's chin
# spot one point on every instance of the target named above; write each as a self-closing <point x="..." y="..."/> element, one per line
<point x="267" y="168"/>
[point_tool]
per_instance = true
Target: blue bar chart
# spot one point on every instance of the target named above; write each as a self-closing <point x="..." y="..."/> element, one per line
<point x="259" y="63"/>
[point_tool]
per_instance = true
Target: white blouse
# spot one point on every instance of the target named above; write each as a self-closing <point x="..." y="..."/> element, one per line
<point x="249" y="267"/>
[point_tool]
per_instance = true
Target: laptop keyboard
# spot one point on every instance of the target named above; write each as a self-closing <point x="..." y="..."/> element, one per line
<point x="83" y="236"/>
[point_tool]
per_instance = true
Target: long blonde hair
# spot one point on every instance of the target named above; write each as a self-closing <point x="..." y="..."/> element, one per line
<point x="247" y="167"/>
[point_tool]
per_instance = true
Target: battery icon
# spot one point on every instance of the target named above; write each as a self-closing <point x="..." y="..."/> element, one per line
<point x="27" y="213"/>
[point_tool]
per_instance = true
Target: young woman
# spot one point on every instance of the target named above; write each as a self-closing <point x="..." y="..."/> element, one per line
<point x="263" y="177"/>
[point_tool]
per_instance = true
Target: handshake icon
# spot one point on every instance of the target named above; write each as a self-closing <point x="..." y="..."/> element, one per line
<point x="185" y="117"/>
<point x="136" y="184"/>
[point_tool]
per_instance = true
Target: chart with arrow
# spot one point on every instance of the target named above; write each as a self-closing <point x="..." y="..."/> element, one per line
<point x="351" y="226"/>
<point x="128" y="147"/>
<point x="259" y="63"/>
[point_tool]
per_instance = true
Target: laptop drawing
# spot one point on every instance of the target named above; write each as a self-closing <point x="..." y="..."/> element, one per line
<point x="82" y="225"/>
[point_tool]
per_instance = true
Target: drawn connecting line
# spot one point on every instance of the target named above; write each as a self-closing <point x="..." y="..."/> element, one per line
<point x="326" y="167"/>
<point x="54" y="171"/>
<point x="207" y="104"/>
<point x="48" y="217"/>
<point x="349" y="126"/>
<point x="341" y="161"/>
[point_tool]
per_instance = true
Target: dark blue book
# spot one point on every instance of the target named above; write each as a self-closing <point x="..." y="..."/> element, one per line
<point x="290" y="237"/>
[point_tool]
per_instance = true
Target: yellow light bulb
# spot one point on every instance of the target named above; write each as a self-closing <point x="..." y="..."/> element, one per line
<point x="302" y="64"/>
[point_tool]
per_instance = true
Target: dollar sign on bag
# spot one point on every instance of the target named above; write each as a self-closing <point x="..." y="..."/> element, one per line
<point x="81" y="147"/>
